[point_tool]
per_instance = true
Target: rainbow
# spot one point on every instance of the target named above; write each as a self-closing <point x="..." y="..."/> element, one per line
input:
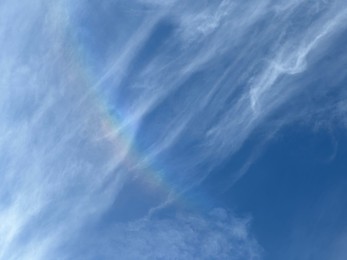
<point x="115" y="122"/>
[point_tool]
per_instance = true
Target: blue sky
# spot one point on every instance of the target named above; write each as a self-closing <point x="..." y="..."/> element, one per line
<point x="171" y="129"/>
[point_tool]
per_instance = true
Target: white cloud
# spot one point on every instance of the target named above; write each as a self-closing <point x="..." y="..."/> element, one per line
<point x="207" y="87"/>
<point x="218" y="235"/>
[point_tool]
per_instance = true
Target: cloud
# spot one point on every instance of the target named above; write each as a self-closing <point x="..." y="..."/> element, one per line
<point x="52" y="170"/>
<point x="186" y="84"/>
<point x="218" y="235"/>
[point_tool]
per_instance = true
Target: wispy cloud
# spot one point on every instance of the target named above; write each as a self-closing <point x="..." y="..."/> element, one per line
<point x="190" y="82"/>
<point x="218" y="235"/>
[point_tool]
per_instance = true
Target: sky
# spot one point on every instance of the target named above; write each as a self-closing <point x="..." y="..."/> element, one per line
<point x="173" y="129"/>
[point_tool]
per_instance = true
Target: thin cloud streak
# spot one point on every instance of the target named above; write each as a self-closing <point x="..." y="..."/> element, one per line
<point x="204" y="87"/>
